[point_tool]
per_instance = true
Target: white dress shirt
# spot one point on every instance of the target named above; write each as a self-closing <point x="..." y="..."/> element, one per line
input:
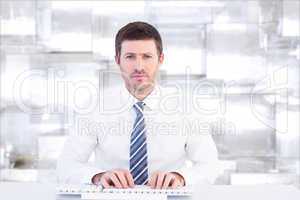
<point x="176" y="139"/>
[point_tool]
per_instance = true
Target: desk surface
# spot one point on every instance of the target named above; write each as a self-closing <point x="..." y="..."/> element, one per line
<point x="36" y="191"/>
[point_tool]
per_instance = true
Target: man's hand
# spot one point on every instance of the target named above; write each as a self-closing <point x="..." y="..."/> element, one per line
<point x="117" y="178"/>
<point x="162" y="180"/>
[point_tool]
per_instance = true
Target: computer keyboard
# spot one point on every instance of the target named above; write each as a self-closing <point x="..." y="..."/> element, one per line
<point x="86" y="189"/>
<point x="147" y="190"/>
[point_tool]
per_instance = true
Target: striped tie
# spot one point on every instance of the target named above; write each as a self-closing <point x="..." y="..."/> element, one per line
<point x="138" y="147"/>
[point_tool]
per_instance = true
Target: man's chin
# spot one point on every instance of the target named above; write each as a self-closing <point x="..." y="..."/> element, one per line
<point x="141" y="85"/>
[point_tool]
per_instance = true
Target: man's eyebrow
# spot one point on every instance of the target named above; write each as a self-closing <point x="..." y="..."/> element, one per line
<point x="148" y="53"/>
<point x="136" y="53"/>
<point x="129" y="53"/>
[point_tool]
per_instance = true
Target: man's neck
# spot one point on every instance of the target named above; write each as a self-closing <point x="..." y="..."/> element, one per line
<point x="142" y="93"/>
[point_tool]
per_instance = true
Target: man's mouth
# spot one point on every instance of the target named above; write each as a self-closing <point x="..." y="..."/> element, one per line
<point x="138" y="76"/>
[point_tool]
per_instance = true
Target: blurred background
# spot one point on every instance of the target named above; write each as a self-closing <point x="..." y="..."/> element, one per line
<point x="245" y="54"/>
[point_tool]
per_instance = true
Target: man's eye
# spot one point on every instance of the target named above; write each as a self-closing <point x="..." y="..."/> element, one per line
<point x="147" y="56"/>
<point x="129" y="57"/>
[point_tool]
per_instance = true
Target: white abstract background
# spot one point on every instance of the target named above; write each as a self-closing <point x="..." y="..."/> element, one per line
<point x="244" y="54"/>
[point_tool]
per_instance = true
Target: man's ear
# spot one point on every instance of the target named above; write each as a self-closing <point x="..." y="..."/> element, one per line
<point x="117" y="59"/>
<point x="161" y="58"/>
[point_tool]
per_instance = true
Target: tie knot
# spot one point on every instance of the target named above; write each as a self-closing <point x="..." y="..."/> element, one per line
<point x="139" y="106"/>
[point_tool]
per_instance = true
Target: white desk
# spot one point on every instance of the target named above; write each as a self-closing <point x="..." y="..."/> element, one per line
<point x="26" y="191"/>
<point x="35" y="191"/>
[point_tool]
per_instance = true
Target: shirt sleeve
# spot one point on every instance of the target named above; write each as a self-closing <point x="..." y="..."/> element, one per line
<point x="203" y="166"/>
<point x="72" y="165"/>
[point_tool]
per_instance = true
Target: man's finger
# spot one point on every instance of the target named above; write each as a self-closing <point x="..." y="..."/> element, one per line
<point x="129" y="178"/>
<point x="115" y="180"/>
<point x="153" y="180"/>
<point x="121" y="176"/>
<point x="168" y="178"/>
<point x="160" y="180"/>
<point x="175" y="184"/>
<point x="104" y="182"/>
<point x="96" y="180"/>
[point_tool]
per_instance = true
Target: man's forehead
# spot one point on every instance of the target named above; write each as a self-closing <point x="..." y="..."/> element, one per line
<point x="138" y="46"/>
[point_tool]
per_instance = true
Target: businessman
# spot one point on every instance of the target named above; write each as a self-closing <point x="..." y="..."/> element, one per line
<point x="154" y="149"/>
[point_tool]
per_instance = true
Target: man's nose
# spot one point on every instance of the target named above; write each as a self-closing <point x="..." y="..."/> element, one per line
<point x="139" y="64"/>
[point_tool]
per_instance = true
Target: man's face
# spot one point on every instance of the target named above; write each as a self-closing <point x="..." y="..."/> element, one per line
<point x="139" y="62"/>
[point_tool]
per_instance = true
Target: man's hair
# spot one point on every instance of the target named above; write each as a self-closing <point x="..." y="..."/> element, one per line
<point x="138" y="31"/>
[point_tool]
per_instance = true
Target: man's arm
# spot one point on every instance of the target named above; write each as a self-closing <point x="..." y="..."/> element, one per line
<point x="72" y="165"/>
<point x="202" y="152"/>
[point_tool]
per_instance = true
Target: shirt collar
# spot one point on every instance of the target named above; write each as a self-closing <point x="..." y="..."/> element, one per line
<point x="151" y="100"/>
